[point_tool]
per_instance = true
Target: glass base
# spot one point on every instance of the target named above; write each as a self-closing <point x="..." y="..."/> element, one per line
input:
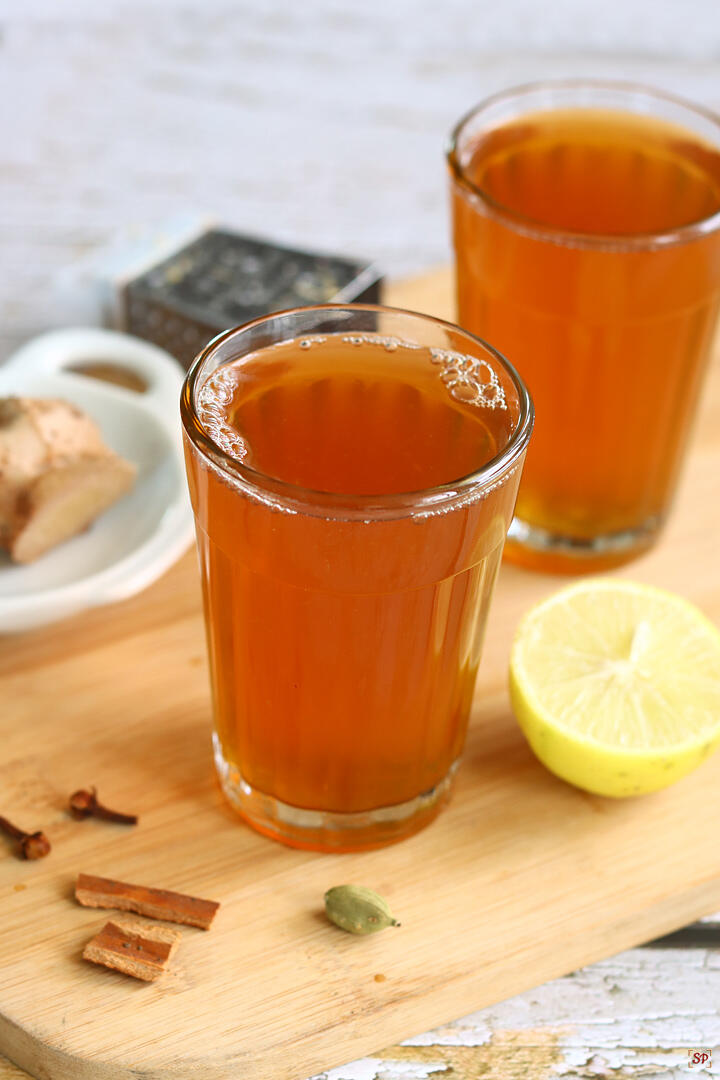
<point x="324" y="830"/>
<point x="538" y="549"/>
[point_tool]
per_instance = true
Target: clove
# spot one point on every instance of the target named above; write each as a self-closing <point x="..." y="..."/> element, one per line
<point x="85" y="804"/>
<point x="32" y="845"/>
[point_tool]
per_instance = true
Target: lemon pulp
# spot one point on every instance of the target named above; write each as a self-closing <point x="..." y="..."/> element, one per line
<point x="616" y="685"/>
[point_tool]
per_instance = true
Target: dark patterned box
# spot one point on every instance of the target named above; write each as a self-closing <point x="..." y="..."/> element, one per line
<point x="222" y="279"/>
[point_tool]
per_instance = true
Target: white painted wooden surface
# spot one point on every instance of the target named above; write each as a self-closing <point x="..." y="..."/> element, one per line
<point x="634" y="1015"/>
<point x="322" y="122"/>
<point x="316" y="121"/>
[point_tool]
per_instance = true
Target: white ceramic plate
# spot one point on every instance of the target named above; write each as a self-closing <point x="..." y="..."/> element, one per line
<point x="144" y="533"/>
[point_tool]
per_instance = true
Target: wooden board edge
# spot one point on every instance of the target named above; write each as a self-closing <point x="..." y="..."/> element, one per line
<point x="306" y="1058"/>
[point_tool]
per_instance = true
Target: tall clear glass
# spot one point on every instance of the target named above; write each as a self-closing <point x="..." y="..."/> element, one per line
<point x="586" y="220"/>
<point x="344" y="630"/>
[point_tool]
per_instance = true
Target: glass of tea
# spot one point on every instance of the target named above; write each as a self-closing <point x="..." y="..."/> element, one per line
<point x="353" y="472"/>
<point x="586" y="221"/>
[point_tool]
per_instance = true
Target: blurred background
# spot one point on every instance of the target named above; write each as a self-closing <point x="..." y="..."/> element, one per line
<point x="320" y="123"/>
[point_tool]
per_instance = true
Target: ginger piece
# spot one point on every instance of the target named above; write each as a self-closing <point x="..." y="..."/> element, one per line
<point x="63" y="501"/>
<point x="56" y="474"/>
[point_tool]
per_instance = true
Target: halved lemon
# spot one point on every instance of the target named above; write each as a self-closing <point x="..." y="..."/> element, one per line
<point x="617" y="685"/>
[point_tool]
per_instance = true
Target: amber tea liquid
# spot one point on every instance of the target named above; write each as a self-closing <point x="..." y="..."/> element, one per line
<point x="554" y="225"/>
<point x="344" y="648"/>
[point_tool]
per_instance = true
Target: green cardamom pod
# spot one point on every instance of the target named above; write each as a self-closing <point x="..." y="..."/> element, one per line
<point x="357" y="909"/>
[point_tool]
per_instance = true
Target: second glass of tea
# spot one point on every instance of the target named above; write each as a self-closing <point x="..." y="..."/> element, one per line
<point x="353" y="472"/>
<point x="587" y="238"/>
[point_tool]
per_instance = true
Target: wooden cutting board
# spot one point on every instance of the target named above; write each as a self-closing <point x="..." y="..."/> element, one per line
<point x="521" y="879"/>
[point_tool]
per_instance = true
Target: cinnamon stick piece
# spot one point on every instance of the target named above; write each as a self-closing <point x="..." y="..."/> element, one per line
<point x="133" y="948"/>
<point x="98" y="892"/>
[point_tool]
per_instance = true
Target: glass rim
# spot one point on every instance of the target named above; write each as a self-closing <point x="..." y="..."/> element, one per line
<point x="295" y="498"/>
<point x="535" y="228"/>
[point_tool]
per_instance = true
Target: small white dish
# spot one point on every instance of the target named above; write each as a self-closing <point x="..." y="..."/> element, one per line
<point x="146" y="531"/>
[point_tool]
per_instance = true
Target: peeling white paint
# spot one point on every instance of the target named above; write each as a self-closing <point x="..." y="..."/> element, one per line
<point x="634" y="1015"/>
<point x="464" y="1032"/>
<point x="380" y="1069"/>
